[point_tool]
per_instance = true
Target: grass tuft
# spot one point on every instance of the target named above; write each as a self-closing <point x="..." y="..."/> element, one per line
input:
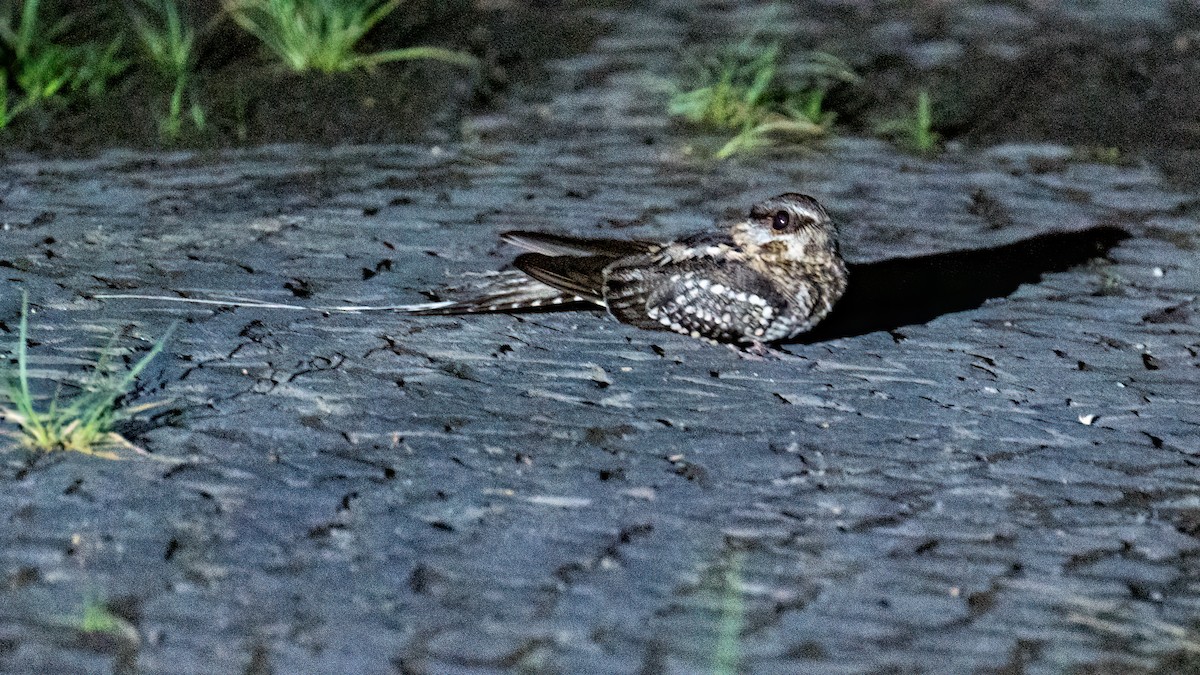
<point x="915" y="132"/>
<point x="739" y="89"/>
<point x="322" y="35"/>
<point x="97" y="618"/>
<point x="727" y="655"/>
<point x="1101" y="154"/>
<point x="42" y="67"/>
<point x="83" y="423"/>
<point x="170" y="45"/>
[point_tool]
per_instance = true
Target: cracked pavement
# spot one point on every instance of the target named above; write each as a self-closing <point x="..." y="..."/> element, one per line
<point x="1012" y="486"/>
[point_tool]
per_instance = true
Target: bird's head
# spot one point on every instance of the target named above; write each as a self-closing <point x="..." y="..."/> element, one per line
<point x="791" y="226"/>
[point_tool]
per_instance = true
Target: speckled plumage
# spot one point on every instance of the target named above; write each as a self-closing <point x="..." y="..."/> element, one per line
<point x="768" y="277"/>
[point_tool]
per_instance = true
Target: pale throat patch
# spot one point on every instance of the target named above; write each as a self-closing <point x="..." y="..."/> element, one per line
<point x="755" y="242"/>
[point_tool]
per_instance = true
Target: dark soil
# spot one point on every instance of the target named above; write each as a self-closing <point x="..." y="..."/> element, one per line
<point x="250" y="99"/>
<point x="1119" y="87"/>
<point x="1119" y="82"/>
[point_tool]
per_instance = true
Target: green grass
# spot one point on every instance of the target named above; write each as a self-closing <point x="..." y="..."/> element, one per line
<point x="45" y="69"/>
<point x="83" y="423"/>
<point x="322" y="35"/>
<point x="1100" y="154"/>
<point x="739" y="89"/>
<point x="59" y="57"/>
<point x="727" y="656"/>
<point x="914" y="132"/>
<point x="10" y="110"/>
<point x="170" y="47"/>
<point x="97" y="618"/>
<point x="924" y="139"/>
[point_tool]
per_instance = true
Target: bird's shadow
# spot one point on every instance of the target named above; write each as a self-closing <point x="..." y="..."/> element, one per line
<point x="890" y="294"/>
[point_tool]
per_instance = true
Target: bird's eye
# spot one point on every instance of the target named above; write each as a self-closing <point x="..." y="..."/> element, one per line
<point x="780" y="221"/>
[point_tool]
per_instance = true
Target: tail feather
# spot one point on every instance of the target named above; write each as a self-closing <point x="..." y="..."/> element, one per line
<point x="501" y="292"/>
<point x="564" y="270"/>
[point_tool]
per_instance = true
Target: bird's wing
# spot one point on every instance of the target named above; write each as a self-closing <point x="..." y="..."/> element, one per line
<point x="578" y="275"/>
<point x="711" y="297"/>
<point x="554" y="244"/>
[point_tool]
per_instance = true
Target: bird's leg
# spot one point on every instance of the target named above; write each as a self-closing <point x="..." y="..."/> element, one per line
<point x="756" y="351"/>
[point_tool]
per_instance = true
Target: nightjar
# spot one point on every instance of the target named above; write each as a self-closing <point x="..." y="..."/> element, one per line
<point x="767" y="277"/>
